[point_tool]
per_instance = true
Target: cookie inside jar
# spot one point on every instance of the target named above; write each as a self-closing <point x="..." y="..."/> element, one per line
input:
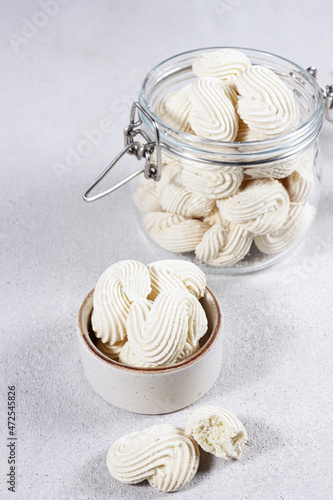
<point x="240" y="163"/>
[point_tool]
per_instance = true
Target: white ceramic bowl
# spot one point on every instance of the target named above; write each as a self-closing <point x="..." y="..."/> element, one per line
<point x="154" y="390"/>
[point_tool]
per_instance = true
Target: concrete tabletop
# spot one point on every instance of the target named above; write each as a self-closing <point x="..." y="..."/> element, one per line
<point x="70" y="70"/>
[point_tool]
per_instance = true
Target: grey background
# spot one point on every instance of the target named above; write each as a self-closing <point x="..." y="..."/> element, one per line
<point x="62" y="77"/>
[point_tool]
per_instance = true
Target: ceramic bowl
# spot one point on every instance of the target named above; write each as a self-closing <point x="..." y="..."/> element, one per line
<point x="155" y="390"/>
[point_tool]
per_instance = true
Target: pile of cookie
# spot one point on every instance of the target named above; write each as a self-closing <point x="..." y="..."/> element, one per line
<point x="219" y="211"/>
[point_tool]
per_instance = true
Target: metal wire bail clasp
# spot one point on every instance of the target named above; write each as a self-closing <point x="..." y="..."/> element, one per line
<point x="136" y="148"/>
<point x="327" y="95"/>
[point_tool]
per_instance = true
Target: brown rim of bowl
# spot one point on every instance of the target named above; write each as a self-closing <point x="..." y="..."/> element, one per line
<point x="163" y="369"/>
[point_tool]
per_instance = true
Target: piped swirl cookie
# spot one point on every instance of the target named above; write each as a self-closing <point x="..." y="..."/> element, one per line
<point x="212" y="114"/>
<point x="158" y="331"/>
<point x="217" y="431"/>
<point x="162" y="454"/>
<point x="224" y="246"/>
<point x="119" y="286"/>
<point x="261" y="206"/>
<point x="225" y="64"/>
<point x="300" y="182"/>
<point x="212" y="181"/>
<point x="146" y="197"/>
<point x="128" y="357"/>
<point x="266" y="105"/>
<point x="173" y="232"/>
<point x="299" y="219"/>
<point x="179" y="199"/>
<point x="174" y="109"/>
<point x="112" y="351"/>
<point x="176" y="274"/>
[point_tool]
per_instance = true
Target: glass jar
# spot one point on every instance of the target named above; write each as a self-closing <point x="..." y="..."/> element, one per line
<point x="218" y="234"/>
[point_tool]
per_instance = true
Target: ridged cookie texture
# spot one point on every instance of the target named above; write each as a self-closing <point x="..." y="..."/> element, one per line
<point x="215" y="217"/>
<point x="170" y="172"/>
<point x="209" y="180"/>
<point x="217" y="431"/>
<point x="174" y="109"/>
<point x="212" y="114"/>
<point x="158" y="331"/>
<point x="110" y="350"/>
<point x="260" y="207"/>
<point x="173" y="232"/>
<point x="116" y="289"/>
<point x="225" y="64"/>
<point x="146" y="197"/>
<point x="176" y="274"/>
<point x="299" y="220"/>
<point x="128" y="357"/>
<point x="300" y="182"/>
<point x="162" y="454"/>
<point x="178" y="199"/>
<point x="266" y="105"/>
<point x="246" y="134"/>
<point x="299" y="168"/>
<point x="224" y="246"/>
<point x="188" y="351"/>
<point x="273" y="170"/>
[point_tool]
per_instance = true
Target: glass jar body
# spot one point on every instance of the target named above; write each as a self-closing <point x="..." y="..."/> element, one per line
<point x="231" y="207"/>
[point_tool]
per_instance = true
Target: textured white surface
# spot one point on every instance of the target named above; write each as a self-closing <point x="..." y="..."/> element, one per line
<point x="84" y="66"/>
